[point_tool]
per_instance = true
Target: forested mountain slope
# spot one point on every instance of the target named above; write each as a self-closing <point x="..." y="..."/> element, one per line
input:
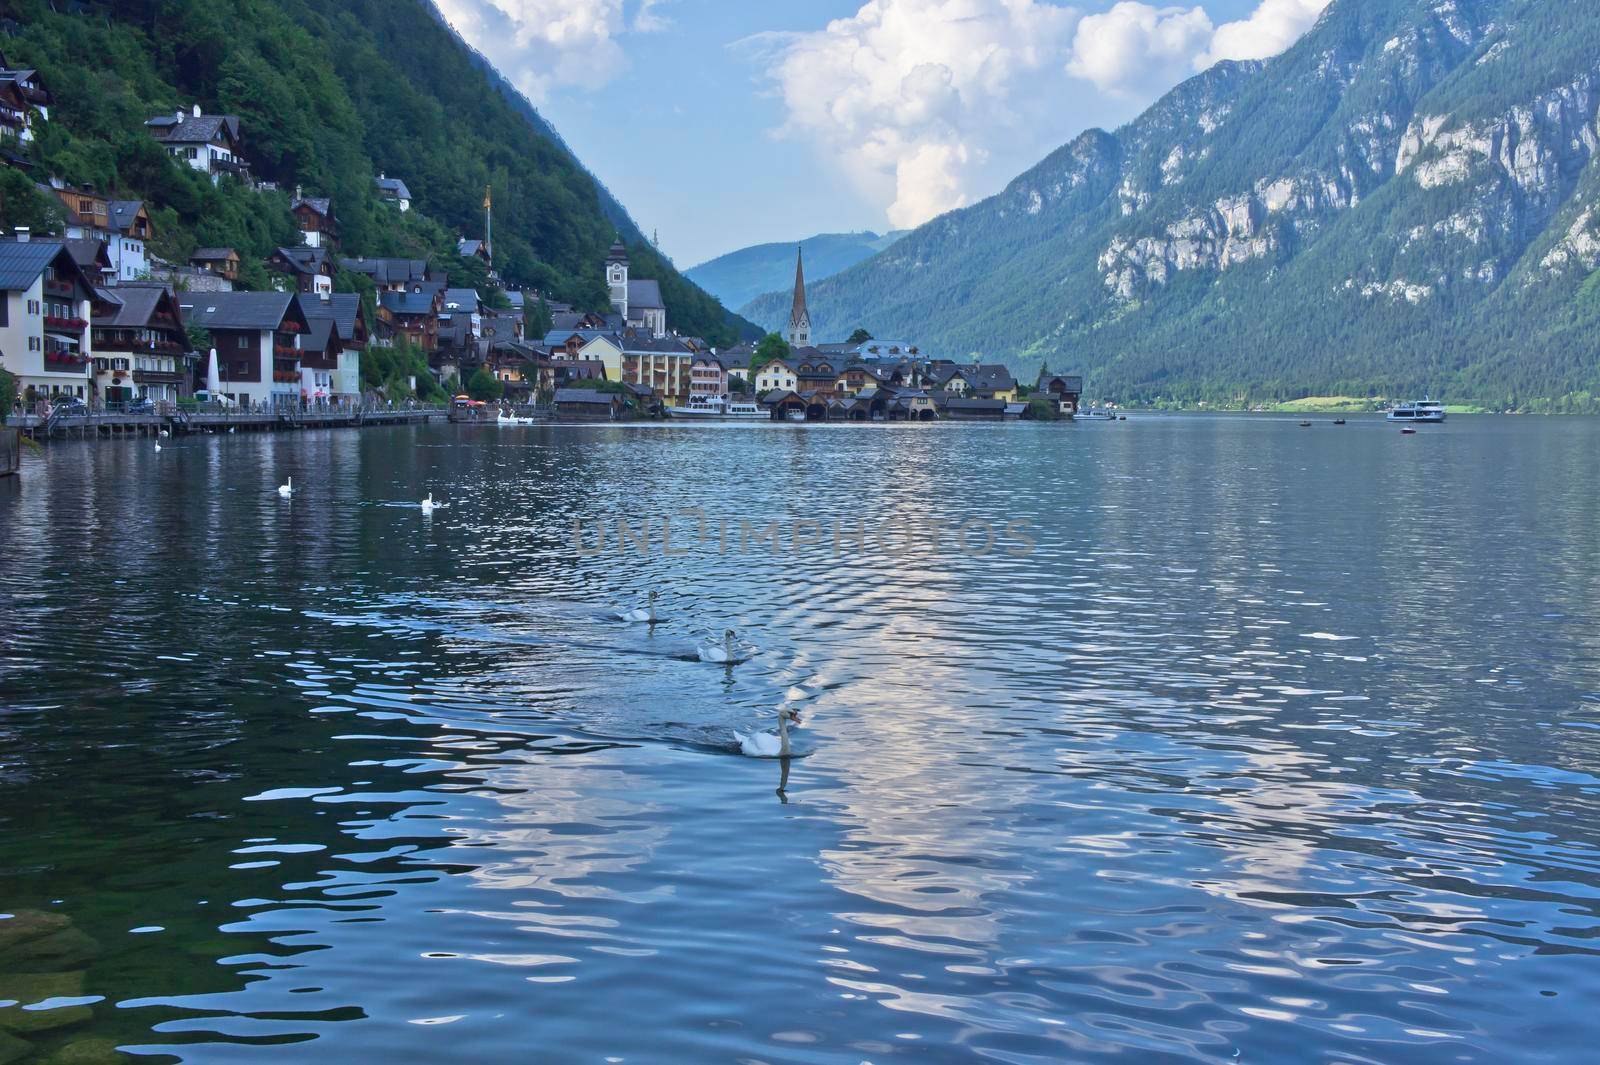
<point x="1406" y="201"/>
<point x="329" y="93"/>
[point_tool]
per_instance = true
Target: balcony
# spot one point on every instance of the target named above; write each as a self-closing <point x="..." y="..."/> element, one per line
<point x="129" y="344"/>
<point x="285" y="377"/>
<point x="285" y="351"/>
<point x="76" y="325"/>
<point x="57" y="288"/>
<point x="65" y="361"/>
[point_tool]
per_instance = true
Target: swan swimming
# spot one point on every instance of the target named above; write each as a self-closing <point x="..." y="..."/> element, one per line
<point x="646" y="613"/>
<point x="729" y="652"/>
<point x="158" y="447"/>
<point x="429" y="506"/>
<point x="766" y="744"/>
<point x="286" y="490"/>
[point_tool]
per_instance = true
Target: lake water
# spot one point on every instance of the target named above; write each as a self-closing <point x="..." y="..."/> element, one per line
<point x="1258" y="744"/>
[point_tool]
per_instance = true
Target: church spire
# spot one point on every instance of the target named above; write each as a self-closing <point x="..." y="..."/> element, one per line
<point x="799" y="316"/>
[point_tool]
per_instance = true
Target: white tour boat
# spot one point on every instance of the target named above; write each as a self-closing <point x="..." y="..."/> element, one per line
<point x="718" y="407"/>
<point x="1425" y="411"/>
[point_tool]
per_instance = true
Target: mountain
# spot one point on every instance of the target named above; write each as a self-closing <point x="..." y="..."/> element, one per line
<point x="329" y="93"/>
<point x="1406" y="201"/>
<point x="740" y="276"/>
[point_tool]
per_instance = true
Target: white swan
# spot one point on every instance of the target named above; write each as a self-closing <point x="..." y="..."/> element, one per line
<point x="287" y="489"/>
<point x="645" y="614"/>
<point x="728" y="652"/>
<point x="429" y="506"/>
<point x="158" y="447"/>
<point x="766" y="744"/>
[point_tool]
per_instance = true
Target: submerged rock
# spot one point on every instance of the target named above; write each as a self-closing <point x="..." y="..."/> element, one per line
<point x="13" y="1049"/>
<point x="66" y="949"/>
<point x="88" y="1052"/>
<point x="25" y="925"/>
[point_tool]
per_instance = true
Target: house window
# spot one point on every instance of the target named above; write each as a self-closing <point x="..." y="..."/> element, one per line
<point x="244" y="341"/>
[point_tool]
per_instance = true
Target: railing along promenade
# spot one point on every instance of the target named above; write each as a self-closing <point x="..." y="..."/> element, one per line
<point x="67" y="422"/>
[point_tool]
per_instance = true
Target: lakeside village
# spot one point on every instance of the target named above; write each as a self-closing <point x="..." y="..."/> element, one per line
<point x="96" y="332"/>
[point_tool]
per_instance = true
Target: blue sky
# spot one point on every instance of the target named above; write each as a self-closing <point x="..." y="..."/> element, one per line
<point x="724" y="123"/>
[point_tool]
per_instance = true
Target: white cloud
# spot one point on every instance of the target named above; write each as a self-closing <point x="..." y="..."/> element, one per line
<point x="1270" y="29"/>
<point x="910" y="98"/>
<point x="907" y="93"/>
<point x="541" y="45"/>
<point x="1135" y="49"/>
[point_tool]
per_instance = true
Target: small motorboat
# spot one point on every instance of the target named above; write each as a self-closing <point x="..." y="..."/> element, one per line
<point x="1338" y="421"/>
<point x="1305" y="425"/>
<point x="1408" y="431"/>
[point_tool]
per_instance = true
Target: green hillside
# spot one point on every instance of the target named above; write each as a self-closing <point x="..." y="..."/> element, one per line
<point x="329" y="93"/>
<point x="1407" y="201"/>
<point x="740" y="276"/>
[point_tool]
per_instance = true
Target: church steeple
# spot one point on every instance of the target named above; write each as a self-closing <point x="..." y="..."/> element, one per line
<point x="799" y="317"/>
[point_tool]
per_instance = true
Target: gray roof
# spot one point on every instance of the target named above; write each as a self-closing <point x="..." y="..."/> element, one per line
<point x="407" y="302"/>
<point x="305" y="260"/>
<point x="636" y="343"/>
<point x="237" y="310"/>
<point x="393" y="186"/>
<point x="192" y="129"/>
<point x="569" y="322"/>
<point x="89" y="253"/>
<point x="122" y="212"/>
<point x="320" y="204"/>
<point x="466" y="299"/>
<point x="388" y="271"/>
<point x="516" y="299"/>
<point x="135" y="303"/>
<point x="644" y="294"/>
<point x="468" y="248"/>
<point x="317" y="338"/>
<point x="21" y="262"/>
<point x="340" y="308"/>
<point x="963" y="403"/>
<point x="207" y="255"/>
<point x="557" y="337"/>
<point x="584" y="395"/>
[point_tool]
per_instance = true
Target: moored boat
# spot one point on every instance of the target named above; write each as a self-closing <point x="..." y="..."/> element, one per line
<point x="718" y="407"/>
<point x="1423" y="411"/>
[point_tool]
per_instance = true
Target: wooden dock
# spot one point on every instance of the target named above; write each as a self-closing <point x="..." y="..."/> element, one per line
<point x="110" y="424"/>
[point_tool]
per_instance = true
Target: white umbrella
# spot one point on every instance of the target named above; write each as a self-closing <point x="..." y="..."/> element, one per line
<point x="213" y="377"/>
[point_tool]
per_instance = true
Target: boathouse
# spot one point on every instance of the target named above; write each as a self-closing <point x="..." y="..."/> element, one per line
<point x="587" y="405"/>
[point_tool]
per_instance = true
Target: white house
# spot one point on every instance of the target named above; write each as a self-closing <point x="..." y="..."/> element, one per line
<point x="24" y="102"/>
<point x="776" y="374"/>
<point x="45" y="337"/>
<point x="124" y="225"/>
<point x="393" y="190"/>
<point x="208" y="143"/>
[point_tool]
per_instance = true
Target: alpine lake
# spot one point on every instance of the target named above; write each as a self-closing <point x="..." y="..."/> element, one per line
<point x="1179" y="739"/>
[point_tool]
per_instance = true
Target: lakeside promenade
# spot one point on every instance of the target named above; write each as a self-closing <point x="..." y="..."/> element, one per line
<point x="65" y="423"/>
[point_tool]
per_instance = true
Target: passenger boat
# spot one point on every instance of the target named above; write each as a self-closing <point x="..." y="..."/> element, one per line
<point x="718" y="407"/>
<point x="1092" y="415"/>
<point x="1425" y="411"/>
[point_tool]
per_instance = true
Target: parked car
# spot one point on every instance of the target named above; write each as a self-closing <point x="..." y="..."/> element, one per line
<point x="140" y="406"/>
<point x="68" y="406"/>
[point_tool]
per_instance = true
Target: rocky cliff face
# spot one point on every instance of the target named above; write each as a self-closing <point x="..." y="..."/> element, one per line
<point x="1357" y="215"/>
